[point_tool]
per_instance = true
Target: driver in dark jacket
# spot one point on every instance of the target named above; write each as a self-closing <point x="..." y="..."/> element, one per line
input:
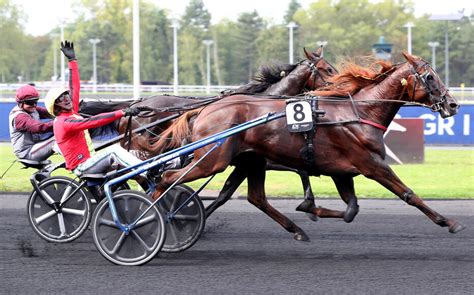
<point x="32" y="139"/>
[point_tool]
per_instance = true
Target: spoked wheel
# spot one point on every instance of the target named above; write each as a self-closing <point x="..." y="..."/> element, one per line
<point x="121" y="187"/>
<point x="184" y="227"/>
<point x="61" y="217"/>
<point x="142" y="243"/>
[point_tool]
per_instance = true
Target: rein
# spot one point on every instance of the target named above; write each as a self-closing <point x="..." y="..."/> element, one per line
<point x="185" y="108"/>
<point x="128" y="133"/>
<point x="357" y="120"/>
<point x="153" y="111"/>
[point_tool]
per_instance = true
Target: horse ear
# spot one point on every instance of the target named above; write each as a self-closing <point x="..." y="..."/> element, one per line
<point x="412" y="59"/>
<point x="409" y="58"/>
<point x="308" y="55"/>
<point x="319" y="51"/>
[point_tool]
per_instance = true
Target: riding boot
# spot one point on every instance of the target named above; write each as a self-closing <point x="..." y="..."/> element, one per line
<point x="173" y="164"/>
<point x="154" y="175"/>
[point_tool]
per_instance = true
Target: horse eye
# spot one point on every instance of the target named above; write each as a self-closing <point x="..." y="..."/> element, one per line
<point x="429" y="77"/>
<point x="329" y="70"/>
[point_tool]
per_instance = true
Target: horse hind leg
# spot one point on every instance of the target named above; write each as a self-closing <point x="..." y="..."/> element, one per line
<point x="257" y="197"/>
<point x="234" y="180"/>
<point x="243" y="163"/>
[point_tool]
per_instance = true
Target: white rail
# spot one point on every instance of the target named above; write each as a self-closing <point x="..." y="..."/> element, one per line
<point x="465" y="94"/>
<point x="124" y="88"/>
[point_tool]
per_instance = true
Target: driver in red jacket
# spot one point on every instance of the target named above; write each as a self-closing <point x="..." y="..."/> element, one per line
<point x="70" y="129"/>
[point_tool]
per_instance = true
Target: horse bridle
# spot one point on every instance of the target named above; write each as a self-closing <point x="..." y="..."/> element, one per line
<point x="314" y="71"/>
<point x="437" y="101"/>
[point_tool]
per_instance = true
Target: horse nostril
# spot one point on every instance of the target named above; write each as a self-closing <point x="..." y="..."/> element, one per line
<point x="454" y="105"/>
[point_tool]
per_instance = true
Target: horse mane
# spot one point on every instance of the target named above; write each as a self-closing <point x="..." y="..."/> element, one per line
<point x="266" y="76"/>
<point x="354" y="77"/>
<point x="172" y="137"/>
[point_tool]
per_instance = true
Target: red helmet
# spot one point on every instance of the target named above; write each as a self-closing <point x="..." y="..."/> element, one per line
<point x="25" y="93"/>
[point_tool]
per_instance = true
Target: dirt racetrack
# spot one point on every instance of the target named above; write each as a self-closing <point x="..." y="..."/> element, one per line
<point x="390" y="248"/>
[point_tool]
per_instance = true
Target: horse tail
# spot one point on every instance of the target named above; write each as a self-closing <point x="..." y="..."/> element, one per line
<point x="173" y="136"/>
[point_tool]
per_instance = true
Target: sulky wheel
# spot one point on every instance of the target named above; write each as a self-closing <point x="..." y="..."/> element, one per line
<point x="142" y="243"/>
<point x="184" y="227"/>
<point x="60" y="217"/>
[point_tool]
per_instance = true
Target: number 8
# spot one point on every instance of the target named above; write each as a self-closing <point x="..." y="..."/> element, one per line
<point x="298" y="115"/>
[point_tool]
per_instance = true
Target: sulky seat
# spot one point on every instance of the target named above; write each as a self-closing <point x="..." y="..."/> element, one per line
<point x="34" y="164"/>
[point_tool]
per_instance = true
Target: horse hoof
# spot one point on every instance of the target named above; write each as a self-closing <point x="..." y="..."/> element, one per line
<point x="457" y="227"/>
<point x="312" y="216"/>
<point x="350" y="213"/>
<point x="302" y="237"/>
<point x="306" y="206"/>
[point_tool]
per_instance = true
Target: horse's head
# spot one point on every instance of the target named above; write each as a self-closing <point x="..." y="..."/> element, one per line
<point x="321" y="70"/>
<point x="424" y="86"/>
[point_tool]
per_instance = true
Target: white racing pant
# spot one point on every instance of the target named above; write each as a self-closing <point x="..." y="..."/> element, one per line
<point x="102" y="161"/>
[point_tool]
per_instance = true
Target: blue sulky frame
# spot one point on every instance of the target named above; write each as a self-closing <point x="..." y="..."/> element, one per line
<point x="218" y="139"/>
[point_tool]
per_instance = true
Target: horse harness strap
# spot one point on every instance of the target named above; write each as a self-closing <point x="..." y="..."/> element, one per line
<point x="358" y="119"/>
<point x="364" y="121"/>
<point x="377" y="125"/>
<point x="307" y="152"/>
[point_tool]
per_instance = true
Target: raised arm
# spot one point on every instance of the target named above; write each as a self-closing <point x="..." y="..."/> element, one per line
<point x="74" y="78"/>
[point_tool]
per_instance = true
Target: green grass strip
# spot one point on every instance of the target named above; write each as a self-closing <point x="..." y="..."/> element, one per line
<point x="446" y="174"/>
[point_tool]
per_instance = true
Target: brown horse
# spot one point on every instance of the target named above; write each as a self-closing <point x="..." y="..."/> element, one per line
<point x="310" y="74"/>
<point x="348" y="141"/>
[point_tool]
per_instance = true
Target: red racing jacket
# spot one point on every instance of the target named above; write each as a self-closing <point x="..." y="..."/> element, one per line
<point x="70" y="129"/>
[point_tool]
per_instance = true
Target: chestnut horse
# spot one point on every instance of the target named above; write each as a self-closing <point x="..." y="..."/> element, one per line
<point x="348" y="141"/>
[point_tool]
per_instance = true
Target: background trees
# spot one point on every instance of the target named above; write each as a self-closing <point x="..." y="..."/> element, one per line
<point x="240" y="46"/>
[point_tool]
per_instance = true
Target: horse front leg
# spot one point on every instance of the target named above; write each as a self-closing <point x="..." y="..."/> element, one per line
<point x="345" y="187"/>
<point x="308" y="205"/>
<point x="257" y="197"/>
<point x="308" y="202"/>
<point x="384" y="175"/>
